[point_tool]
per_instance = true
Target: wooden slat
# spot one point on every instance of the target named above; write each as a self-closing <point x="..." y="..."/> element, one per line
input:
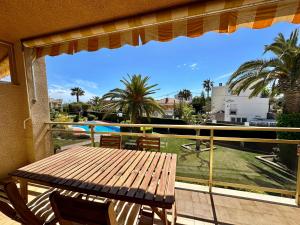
<point x="112" y="171"/>
<point x="89" y="177"/>
<point x="135" y="186"/>
<point x="124" y="170"/>
<point x="45" y="162"/>
<point x="170" y="190"/>
<point x="80" y="172"/>
<point x="154" y="182"/>
<point x="81" y="167"/>
<point x="149" y="175"/>
<point x="126" y="186"/>
<point x="55" y="170"/>
<point x="106" y="170"/>
<point x="117" y="185"/>
<point x="160" y="193"/>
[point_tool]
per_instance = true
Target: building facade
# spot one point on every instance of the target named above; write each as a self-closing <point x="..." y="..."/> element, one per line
<point x="226" y="106"/>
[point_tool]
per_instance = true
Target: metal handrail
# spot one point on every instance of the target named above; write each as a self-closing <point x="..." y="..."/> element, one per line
<point x="211" y="138"/>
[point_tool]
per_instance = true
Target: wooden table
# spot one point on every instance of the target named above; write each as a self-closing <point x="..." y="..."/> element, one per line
<point x="146" y="178"/>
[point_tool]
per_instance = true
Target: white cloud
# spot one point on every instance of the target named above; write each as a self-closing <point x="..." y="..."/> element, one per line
<point x="64" y="92"/>
<point x="86" y="83"/>
<point x="221" y="77"/>
<point x="192" y="66"/>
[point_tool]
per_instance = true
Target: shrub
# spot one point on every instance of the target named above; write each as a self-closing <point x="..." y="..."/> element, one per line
<point x="91" y="117"/>
<point x="288" y="152"/>
<point x="75" y="108"/>
<point x="76" y="119"/>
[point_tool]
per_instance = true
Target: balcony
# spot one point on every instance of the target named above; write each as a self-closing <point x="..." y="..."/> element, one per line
<point x="232" y="157"/>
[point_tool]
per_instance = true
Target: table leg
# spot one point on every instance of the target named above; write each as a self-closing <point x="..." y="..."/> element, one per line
<point x="174" y="214"/>
<point x="24" y="190"/>
<point x="162" y="214"/>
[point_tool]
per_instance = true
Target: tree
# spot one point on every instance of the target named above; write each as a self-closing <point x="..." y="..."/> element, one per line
<point x="184" y="94"/>
<point x="77" y="91"/>
<point x="188" y="114"/>
<point x="134" y="99"/>
<point x="198" y="103"/>
<point x="281" y="72"/>
<point x="207" y="85"/>
<point x="95" y="102"/>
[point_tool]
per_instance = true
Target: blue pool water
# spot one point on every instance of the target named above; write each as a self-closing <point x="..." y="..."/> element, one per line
<point x="100" y="128"/>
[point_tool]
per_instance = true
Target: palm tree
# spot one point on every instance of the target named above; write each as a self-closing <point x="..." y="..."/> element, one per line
<point x="281" y="73"/>
<point x="184" y="94"/>
<point x="77" y="91"/>
<point x="134" y="99"/>
<point x="95" y="102"/>
<point x="207" y="85"/>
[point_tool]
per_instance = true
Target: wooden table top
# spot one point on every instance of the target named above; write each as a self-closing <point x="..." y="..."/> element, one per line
<point x="135" y="176"/>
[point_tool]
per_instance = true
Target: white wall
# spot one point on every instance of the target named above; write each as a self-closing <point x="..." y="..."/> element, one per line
<point x="218" y="98"/>
<point x="222" y="100"/>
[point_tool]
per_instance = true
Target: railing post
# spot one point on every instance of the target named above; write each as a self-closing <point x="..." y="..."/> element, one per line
<point x="211" y="159"/>
<point x="92" y="135"/>
<point x="198" y="141"/>
<point x="298" y="177"/>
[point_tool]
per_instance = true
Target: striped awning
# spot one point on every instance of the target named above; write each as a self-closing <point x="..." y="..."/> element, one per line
<point x="193" y="20"/>
<point x="4" y="67"/>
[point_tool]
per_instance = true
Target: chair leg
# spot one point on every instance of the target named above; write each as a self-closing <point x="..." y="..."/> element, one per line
<point x="24" y="190"/>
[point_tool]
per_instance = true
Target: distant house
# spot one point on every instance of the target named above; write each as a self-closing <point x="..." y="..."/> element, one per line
<point x="226" y="106"/>
<point x="55" y="104"/>
<point x="168" y="105"/>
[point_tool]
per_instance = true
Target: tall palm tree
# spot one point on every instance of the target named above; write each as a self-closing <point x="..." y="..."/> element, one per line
<point x="207" y="85"/>
<point x="184" y="94"/>
<point x="77" y="91"/>
<point x="134" y="99"/>
<point x="281" y="73"/>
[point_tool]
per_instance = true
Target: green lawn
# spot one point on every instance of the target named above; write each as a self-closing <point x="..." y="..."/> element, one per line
<point x="230" y="165"/>
<point x="64" y="142"/>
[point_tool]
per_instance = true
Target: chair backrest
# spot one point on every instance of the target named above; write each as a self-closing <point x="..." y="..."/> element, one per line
<point x="5" y="205"/>
<point x="148" y="143"/>
<point x="111" y="141"/>
<point x="19" y="210"/>
<point x="70" y="211"/>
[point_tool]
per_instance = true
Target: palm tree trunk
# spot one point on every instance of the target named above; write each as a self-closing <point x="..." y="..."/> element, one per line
<point x="291" y="102"/>
<point x="77" y="98"/>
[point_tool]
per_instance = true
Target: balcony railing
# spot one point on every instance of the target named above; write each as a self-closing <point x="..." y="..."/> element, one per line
<point x="211" y="138"/>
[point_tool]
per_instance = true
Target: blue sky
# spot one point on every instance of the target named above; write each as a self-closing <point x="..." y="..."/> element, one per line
<point x="180" y="64"/>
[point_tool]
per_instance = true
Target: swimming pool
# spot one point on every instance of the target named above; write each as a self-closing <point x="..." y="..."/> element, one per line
<point x="99" y="128"/>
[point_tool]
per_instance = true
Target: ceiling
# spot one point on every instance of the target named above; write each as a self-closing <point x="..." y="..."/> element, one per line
<point x="26" y="19"/>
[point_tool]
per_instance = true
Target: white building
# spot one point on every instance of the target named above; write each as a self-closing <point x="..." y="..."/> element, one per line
<point x="237" y="108"/>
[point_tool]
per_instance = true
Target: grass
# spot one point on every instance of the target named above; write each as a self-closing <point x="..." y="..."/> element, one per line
<point x="64" y="142"/>
<point x="230" y="165"/>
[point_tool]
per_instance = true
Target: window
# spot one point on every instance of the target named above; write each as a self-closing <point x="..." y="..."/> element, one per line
<point x="232" y="119"/>
<point x="6" y="58"/>
<point x="244" y="119"/>
<point x="238" y="119"/>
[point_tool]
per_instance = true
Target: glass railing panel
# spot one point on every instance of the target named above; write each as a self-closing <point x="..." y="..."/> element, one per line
<point x="253" y="164"/>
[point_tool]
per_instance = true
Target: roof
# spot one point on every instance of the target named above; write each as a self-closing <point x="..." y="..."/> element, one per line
<point x="27" y="19"/>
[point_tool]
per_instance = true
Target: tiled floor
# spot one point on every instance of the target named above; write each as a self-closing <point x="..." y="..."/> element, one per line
<point x="196" y="207"/>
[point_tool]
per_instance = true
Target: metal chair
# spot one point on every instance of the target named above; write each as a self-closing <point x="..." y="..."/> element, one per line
<point x="148" y="143"/>
<point x="77" y="211"/>
<point x="110" y="141"/>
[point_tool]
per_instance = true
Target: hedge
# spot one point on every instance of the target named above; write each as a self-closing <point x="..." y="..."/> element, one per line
<point x="288" y="152"/>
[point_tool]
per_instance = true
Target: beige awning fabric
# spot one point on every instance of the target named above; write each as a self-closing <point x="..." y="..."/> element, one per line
<point x="4" y="67"/>
<point x="193" y="20"/>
